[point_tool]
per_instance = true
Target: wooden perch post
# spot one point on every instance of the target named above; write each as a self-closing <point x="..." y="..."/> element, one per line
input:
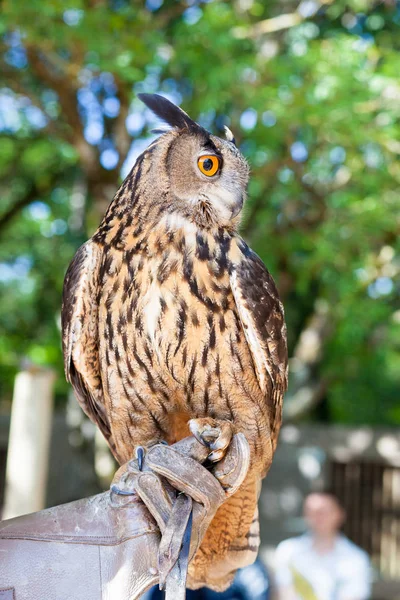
<point x="29" y="441"/>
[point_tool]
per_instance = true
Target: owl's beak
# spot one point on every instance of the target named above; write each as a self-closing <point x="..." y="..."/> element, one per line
<point x="237" y="207"/>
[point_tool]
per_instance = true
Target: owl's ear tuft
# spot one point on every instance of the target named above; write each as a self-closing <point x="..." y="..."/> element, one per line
<point x="169" y="112"/>
<point x="229" y="135"/>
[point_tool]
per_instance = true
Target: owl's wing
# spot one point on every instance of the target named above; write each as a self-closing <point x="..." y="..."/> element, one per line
<point x="79" y="319"/>
<point x="262" y="317"/>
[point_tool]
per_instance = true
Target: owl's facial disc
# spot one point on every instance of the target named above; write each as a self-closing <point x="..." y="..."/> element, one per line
<point x="225" y="182"/>
<point x="208" y="178"/>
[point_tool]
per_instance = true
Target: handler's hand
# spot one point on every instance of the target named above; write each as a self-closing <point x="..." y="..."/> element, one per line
<point x="167" y="470"/>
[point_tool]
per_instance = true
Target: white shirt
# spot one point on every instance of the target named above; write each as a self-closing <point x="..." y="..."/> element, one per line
<point x="340" y="574"/>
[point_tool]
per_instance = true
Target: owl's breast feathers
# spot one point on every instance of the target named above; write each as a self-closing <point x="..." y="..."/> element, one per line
<point x="192" y="318"/>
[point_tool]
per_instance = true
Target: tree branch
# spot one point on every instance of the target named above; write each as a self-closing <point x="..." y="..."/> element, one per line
<point x="16" y="208"/>
<point x="64" y="85"/>
<point x="15" y="85"/>
<point x="278" y="23"/>
<point x="122" y="138"/>
<point x="305" y="399"/>
<point x="306" y="389"/>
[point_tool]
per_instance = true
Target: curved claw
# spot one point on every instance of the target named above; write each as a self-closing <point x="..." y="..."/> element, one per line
<point x="216" y="434"/>
<point x="140" y="457"/>
<point x="116" y="490"/>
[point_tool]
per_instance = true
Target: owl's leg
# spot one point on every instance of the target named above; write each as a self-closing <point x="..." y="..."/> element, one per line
<point x="216" y="434"/>
<point x="231" y="541"/>
<point x="142" y="431"/>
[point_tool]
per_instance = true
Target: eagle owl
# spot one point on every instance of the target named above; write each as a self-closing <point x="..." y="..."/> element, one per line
<point x="172" y="324"/>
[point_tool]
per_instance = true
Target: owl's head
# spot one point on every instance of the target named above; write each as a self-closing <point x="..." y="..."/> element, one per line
<point x="203" y="176"/>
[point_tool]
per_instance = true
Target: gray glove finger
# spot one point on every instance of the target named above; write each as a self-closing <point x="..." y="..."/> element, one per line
<point x="192" y="448"/>
<point x="171" y="541"/>
<point x="186" y="475"/>
<point x="152" y="491"/>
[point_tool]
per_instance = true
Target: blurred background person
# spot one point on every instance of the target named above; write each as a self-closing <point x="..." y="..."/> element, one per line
<point x="322" y="564"/>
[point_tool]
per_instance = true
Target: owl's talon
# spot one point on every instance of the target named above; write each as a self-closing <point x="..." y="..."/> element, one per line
<point x="214" y="433"/>
<point x="216" y="455"/>
<point x="140" y="457"/>
<point x="114" y="489"/>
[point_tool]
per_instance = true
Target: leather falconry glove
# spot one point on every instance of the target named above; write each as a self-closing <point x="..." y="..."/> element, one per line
<point x="107" y="545"/>
<point x="177" y="489"/>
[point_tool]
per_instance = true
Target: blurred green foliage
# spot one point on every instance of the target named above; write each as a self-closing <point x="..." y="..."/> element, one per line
<point x="311" y="91"/>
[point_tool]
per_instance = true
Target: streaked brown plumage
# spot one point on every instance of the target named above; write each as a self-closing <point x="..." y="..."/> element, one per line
<point x="169" y="316"/>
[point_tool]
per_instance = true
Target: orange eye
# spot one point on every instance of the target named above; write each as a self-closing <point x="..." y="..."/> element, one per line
<point x="208" y="164"/>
